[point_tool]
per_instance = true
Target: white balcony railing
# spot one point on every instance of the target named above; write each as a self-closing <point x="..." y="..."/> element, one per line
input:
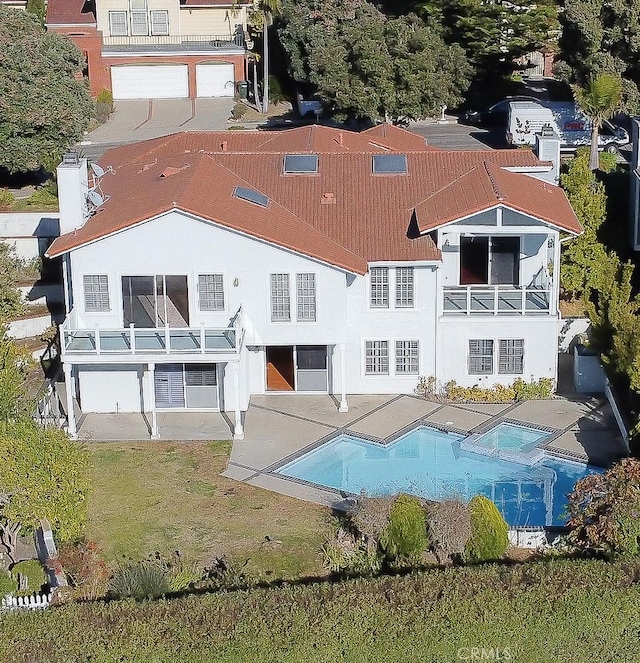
<point x="148" y="341"/>
<point x="496" y="300"/>
<point x="214" y="41"/>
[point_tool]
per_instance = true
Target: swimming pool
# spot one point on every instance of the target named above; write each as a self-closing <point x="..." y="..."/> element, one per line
<point x="431" y="463"/>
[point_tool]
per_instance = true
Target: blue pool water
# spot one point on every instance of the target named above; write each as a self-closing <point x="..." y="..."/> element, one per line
<point x="429" y="463"/>
<point x="512" y="437"/>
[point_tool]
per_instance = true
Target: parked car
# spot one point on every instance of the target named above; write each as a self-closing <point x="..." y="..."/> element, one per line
<point x="493" y="116"/>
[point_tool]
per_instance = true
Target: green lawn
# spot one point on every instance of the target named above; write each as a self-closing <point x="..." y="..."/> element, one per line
<point x="565" y="611"/>
<point x="164" y="496"/>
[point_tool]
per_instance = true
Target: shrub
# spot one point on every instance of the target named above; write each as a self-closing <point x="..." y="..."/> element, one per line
<point x="347" y="556"/>
<point x="604" y="510"/>
<point x="85" y="569"/>
<point x="449" y="527"/>
<point x="276" y="95"/>
<point x="239" y="109"/>
<point x="530" y="391"/>
<point x="30" y="576"/>
<point x="179" y="573"/>
<point x="370" y="518"/>
<point x="141" y="581"/>
<point x="489" y="539"/>
<point x="8" y="585"/>
<point x="6" y="200"/>
<point x="518" y="391"/>
<point x="104" y="106"/>
<point x="405" y="536"/>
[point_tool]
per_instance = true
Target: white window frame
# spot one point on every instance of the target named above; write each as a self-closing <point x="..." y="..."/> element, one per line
<point x="154" y="15"/>
<point x="306" y="309"/>
<point x="404" y="287"/>
<point x="511" y="352"/>
<point x="120" y="30"/>
<point x="407" y="359"/>
<point x="137" y="31"/>
<point x="96" y="293"/>
<point x="139" y="5"/>
<point x="211" y="292"/>
<point x="376" y="357"/>
<point x="482" y="354"/>
<point x="280" y="297"/>
<point x="379" y="287"/>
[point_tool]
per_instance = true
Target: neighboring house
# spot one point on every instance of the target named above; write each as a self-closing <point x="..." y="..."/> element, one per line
<point x="203" y="268"/>
<point x="143" y="49"/>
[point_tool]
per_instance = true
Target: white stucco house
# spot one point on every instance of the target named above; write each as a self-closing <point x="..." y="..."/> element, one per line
<point x="202" y="268"/>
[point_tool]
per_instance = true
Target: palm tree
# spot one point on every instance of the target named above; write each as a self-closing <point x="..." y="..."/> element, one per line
<point x="268" y="9"/>
<point x="599" y="100"/>
<point x="264" y="11"/>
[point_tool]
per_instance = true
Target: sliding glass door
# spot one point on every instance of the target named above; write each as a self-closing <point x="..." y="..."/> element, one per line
<point x="155" y="301"/>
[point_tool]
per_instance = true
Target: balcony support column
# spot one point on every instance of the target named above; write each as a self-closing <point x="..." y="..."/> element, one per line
<point x="155" y="434"/>
<point x="238" y="430"/>
<point x="71" y="415"/>
<point x="344" y="406"/>
<point x="554" y="290"/>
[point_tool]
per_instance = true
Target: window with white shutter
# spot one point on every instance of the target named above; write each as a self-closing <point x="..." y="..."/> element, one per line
<point x="511" y="357"/>
<point x="211" y="292"/>
<point x="96" y="293"/>
<point x="480" y="357"/>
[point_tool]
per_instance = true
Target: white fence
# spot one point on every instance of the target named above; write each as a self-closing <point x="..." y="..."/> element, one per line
<point x="33" y="602"/>
<point x="617" y="414"/>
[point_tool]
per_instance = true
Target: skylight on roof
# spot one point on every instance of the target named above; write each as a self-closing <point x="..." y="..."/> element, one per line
<point x="389" y="164"/>
<point x="251" y="195"/>
<point x="301" y="163"/>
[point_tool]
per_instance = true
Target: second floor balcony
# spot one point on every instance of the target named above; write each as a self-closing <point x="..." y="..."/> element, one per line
<point x="138" y="341"/>
<point x="175" y="43"/>
<point x="497" y="300"/>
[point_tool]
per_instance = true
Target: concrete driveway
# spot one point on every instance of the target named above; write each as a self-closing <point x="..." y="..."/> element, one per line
<point x="141" y="119"/>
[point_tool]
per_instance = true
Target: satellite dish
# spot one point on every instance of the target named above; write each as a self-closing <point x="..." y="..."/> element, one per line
<point x="97" y="170"/>
<point x="95" y="198"/>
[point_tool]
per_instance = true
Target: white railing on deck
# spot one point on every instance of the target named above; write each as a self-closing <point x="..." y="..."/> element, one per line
<point x="495" y="300"/>
<point x="216" y="41"/>
<point x="152" y="340"/>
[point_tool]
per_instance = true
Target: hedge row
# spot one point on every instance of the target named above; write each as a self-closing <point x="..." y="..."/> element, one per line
<point x="558" y="610"/>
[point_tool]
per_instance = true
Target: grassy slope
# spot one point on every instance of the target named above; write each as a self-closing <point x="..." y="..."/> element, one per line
<point x="170" y="496"/>
<point x="572" y="612"/>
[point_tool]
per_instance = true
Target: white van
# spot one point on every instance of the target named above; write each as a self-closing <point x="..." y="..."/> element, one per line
<point x="527" y="118"/>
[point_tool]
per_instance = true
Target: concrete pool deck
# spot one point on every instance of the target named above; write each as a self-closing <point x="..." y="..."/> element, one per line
<point x="281" y="427"/>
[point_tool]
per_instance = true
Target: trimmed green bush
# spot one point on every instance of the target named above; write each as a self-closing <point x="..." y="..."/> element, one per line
<point x="8" y="585"/>
<point x="32" y="570"/>
<point x="6" y="199"/>
<point x="489" y="529"/>
<point x="406" y="533"/>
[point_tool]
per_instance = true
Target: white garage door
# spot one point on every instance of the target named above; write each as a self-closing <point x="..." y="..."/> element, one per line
<point x="150" y="81"/>
<point x="214" y="80"/>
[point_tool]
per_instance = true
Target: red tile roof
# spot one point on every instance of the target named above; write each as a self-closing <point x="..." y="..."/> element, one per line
<point x="343" y="215"/>
<point x="70" y="12"/>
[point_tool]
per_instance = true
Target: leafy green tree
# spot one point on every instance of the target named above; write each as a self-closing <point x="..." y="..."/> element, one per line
<point x="43" y="474"/>
<point x="15" y="363"/>
<point x="597" y="36"/>
<point x="37" y="7"/>
<point x="600" y="98"/>
<point x="44" y="108"/>
<point x="10" y="299"/>
<point x="368" y="66"/>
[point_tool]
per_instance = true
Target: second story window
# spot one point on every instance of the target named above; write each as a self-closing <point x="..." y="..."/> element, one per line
<point x="306" y="297"/>
<point x="96" y="293"/>
<point x="211" y="292"/>
<point x="159" y="23"/>
<point x="118" y="24"/>
<point x="404" y="287"/>
<point x="379" y="296"/>
<point x="280" y="298"/>
<point x="139" y="23"/>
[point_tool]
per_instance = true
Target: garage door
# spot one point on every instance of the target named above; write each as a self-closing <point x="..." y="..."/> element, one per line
<point x="214" y="80"/>
<point x="150" y="81"/>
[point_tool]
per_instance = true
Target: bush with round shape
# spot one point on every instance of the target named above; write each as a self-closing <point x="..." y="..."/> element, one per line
<point x="405" y="536"/>
<point x="31" y="570"/>
<point x="8" y="585"/>
<point x="449" y="526"/>
<point x="489" y="539"/>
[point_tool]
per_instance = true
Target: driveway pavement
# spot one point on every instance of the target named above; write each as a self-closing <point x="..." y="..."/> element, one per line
<point x="141" y="119"/>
